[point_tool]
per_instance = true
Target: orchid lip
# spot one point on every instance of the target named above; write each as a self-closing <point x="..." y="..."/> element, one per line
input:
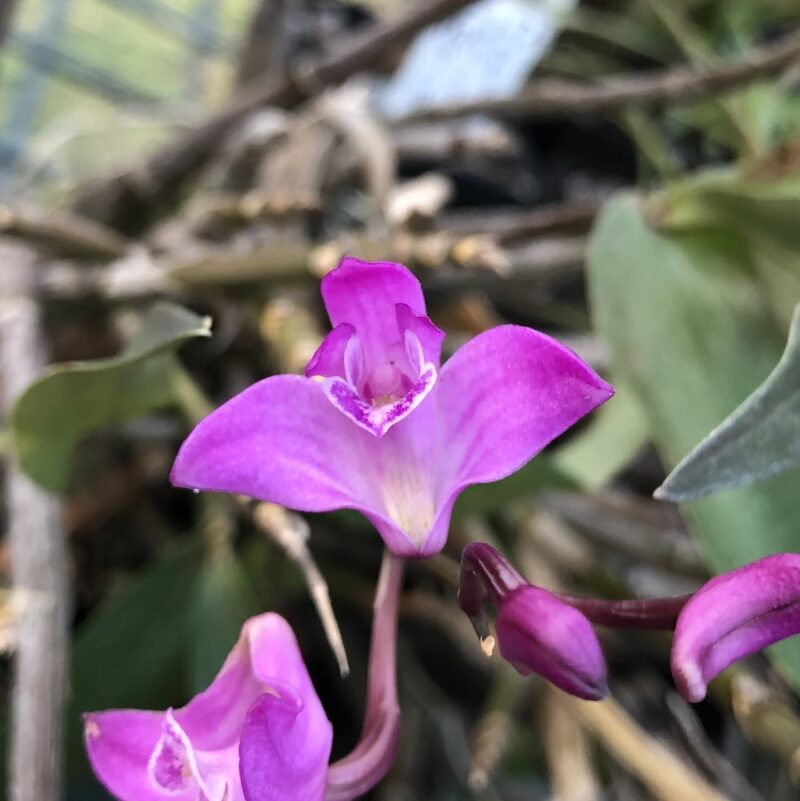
<point x="386" y="395"/>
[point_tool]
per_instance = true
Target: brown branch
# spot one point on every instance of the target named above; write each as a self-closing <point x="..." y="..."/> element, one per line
<point x="129" y="200"/>
<point x="512" y="224"/>
<point x="264" y="48"/>
<point x="556" y="98"/>
<point x="61" y="233"/>
<point x="38" y="556"/>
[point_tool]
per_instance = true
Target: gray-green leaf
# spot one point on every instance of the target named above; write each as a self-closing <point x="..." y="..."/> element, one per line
<point x="70" y="400"/>
<point x="760" y="439"/>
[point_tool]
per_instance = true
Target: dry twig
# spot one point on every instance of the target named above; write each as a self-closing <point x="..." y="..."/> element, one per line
<point x="569" y="761"/>
<point x="130" y="199"/>
<point x="62" y="234"/>
<point x="664" y="774"/>
<point x="39" y="571"/>
<point x="555" y="98"/>
<point x="290" y="531"/>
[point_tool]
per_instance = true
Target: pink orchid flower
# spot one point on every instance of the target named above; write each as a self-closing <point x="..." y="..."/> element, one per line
<point x="261" y="710"/>
<point x="378" y="425"/>
<point x="732" y="616"/>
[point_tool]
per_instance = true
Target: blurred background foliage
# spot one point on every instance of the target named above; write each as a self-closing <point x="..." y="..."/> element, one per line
<point x="657" y="235"/>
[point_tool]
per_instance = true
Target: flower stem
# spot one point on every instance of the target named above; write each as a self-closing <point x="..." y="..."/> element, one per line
<point x="637" y="613"/>
<point x="359" y="771"/>
<point x="488" y="577"/>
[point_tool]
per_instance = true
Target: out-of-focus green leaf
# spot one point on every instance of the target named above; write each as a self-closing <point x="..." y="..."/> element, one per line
<point x="539" y="474"/>
<point x="760" y="439"/>
<point x="762" y="202"/>
<point x="131" y="651"/>
<point x="223" y="599"/>
<point x="692" y="334"/>
<point x="616" y="434"/>
<point x="70" y="400"/>
<point x="761" y="205"/>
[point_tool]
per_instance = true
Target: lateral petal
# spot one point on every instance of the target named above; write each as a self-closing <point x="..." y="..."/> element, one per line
<point x="329" y="358"/>
<point x="282" y="441"/>
<point x="501" y="398"/>
<point x="283" y="753"/>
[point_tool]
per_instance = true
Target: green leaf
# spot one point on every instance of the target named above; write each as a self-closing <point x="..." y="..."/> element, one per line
<point x="616" y="434"/>
<point x="539" y="474"/>
<point x="762" y="206"/>
<point x="131" y="651"/>
<point x="760" y="439"/>
<point x="690" y="331"/>
<point x="223" y="599"/>
<point x="70" y="400"/>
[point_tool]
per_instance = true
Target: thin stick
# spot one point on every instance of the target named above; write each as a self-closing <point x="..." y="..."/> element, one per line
<point x="663" y="773"/>
<point x="556" y="98"/>
<point x="567" y="750"/>
<point x="290" y="531"/>
<point x="129" y="200"/>
<point x="38" y="556"/>
<point x="61" y="233"/>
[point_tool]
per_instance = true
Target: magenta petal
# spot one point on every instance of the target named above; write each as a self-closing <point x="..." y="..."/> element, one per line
<point x="120" y="744"/>
<point x="329" y="358"/>
<point x="378" y="419"/>
<point x="732" y="616"/>
<point x="265" y="655"/>
<point x="430" y="336"/>
<point x="503" y="397"/>
<point x="283" y="755"/>
<point x="193" y="754"/>
<point x="280" y="441"/>
<point x="540" y="634"/>
<point x="365" y="294"/>
<point x="508" y="393"/>
<point x="286" y="739"/>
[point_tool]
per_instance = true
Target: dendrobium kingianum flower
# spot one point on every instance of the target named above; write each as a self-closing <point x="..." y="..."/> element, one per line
<point x="731" y="616"/>
<point x="378" y="425"/>
<point x="258" y="732"/>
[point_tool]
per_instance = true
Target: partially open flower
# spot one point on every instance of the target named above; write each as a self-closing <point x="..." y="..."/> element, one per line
<point x="261" y="708"/>
<point x="378" y="426"/>
<point x="732" y="616"/>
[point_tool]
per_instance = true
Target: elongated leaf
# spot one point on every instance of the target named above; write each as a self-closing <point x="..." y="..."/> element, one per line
<point x="691" y="333"/>
<point x="132" y="651"/>
<point x="223" y="599"/>
<point x="70" y="400"/>
<point x="760" y="439"/>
